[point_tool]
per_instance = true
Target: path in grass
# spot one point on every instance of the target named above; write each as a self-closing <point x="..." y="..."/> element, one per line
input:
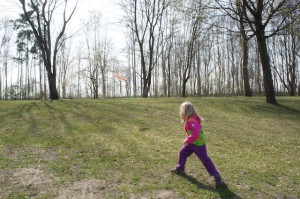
<point x="125" y="148"/>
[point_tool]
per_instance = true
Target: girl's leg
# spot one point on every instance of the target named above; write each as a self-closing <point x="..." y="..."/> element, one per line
<point x="201" y="152"/>
<point x="184" y="153"/>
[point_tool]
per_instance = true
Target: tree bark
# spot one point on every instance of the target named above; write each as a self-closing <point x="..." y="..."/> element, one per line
<point x="266" y="66"/>
<point x="244" y="42"/>
<point x="52" y="86"/>
<point x="247" y="89"/>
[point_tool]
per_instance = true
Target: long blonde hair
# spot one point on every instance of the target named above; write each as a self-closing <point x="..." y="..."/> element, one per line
<point x="187" y="110"/>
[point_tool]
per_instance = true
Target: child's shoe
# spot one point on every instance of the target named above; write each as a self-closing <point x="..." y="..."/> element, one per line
<point x="219" y="181"/>
<point x="177" y="171"/>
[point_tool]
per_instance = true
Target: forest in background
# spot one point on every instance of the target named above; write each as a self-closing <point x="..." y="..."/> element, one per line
<point x="174" y="48"/>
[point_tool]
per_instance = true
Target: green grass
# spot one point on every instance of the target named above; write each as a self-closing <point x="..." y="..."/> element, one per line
<point x="125" y="148"/>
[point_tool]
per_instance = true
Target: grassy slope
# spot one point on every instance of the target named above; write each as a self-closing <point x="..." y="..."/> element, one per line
<point x="132" y="144"/>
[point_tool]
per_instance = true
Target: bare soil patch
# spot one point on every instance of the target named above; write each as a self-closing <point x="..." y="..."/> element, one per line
<point x="160" y="194"/>
<point x="30" y="181"/>
<point x="35" y="183"/>
<point x="83" y="189"/>
<point x="166" y="194"/>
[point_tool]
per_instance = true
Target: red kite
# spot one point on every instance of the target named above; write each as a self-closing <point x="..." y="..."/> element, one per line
<point x="121" y="77"/>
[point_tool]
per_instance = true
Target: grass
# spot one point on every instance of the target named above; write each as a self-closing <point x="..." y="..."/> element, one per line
<point x="125" y="148"/>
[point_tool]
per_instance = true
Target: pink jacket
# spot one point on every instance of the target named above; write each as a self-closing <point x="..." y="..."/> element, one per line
<point x="193" y="130"/>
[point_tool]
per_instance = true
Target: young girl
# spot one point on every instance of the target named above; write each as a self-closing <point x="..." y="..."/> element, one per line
<point x="194" y="143"/>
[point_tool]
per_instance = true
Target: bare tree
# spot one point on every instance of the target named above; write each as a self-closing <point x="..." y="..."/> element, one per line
<point x="244" y="43"/>
<point x="64" y="61"/>
<point x="99" y="55"/>
<point x="5" y="43"/>
<point x="259" y="15"/>
<point x="40" y="16"/>
<point x="166" y="52"/>
<point x="291" y="47"/>
<point x="143" y="17"/>
<point x="194" y="14"/>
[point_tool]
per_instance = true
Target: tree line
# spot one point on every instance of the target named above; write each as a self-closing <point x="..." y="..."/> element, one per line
<point x="174" y="48"/>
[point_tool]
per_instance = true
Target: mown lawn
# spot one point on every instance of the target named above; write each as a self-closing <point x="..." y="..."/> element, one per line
<point x="125" y="148"/>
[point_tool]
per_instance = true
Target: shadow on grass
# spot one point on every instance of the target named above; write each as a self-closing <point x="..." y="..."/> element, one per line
<point x="287" y="109"/>
<point x="278" y="109"/>
<point x="224" y="191"/>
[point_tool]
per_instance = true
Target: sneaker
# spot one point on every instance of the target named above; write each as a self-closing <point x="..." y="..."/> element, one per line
<point x="177" y="171"/>
<point x="219" y="181"/>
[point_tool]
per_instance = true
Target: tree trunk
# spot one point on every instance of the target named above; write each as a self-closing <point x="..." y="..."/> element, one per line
<point x="0" y="85"/>
<point x="103" y="84"/>
<point x="292" y="67"/>
<point x="199" y="85"/>
<point x="52" y="87"/>
<point x="266" y="66"/>
<point x="244" y="43"/>
<point x="169" y="74"/>
<point x="164" y="72"/>
<point x="6" y="82"/>
<point x="145" y="90"/>
<point x="183" y="92"/>
<point x="247" y="89"/>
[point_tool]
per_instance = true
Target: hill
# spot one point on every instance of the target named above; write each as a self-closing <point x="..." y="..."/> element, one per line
<point x="125" y="148"/>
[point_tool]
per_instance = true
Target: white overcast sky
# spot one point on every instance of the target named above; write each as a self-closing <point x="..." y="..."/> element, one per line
<point x="110" y="10"/>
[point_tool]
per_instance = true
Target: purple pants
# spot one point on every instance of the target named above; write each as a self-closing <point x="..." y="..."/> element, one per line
<point x="201" y="152"/>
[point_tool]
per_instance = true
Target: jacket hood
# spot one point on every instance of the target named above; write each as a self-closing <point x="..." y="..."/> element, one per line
<point x="196" y="118"/>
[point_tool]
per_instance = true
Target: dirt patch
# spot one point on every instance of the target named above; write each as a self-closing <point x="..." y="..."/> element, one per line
<point x="165" y="194"/>
<point x="244" y="187"/>
<point x="30" y="181"/>
<point x="34" y="183"/>
<point x="33" y="178"/>
<point x="83" y="189"/>
<point x="161" y="194"/>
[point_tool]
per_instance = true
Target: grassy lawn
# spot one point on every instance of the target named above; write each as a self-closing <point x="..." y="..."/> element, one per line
<point x="125" y="148"/>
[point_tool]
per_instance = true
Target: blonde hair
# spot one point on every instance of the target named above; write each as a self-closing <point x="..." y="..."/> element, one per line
<point x="187" y="110"/>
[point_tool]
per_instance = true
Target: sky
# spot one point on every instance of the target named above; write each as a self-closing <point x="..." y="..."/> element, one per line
<point x="110" y="10"/>
<point x="111" y="15"/>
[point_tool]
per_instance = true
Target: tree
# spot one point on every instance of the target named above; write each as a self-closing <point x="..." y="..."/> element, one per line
<point x="99" y="54"/>
<point x="5" y="43"/>
<point x="25" y="46"/>
<point x="143" y="17"/>
<point x="291" y="44"/>
<point x="259" y="15"/>
<point x="166" y="51"/>
<point x="244" y="43"/>
<point x="40" y="16"/>
<point x="194" y="16"/>
<point x="64" y="62"/>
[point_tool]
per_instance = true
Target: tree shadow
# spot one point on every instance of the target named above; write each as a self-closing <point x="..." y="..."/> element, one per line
<point x="223" y="191"/>
<point x="287" y="109"/>
<point x="226" y="193"/>
<point x="277" y="108"/>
